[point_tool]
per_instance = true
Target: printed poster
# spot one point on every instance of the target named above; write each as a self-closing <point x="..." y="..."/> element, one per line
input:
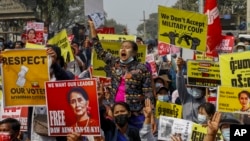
<point x="182" y="28"/>
<point x="61" y="40"/>
<point x="76" y="108"/>
<point x="203" y="57"/>
<point x="227" y="45"/>
<point x="150" y="59"/>
<point x="19" y="113"/>
<point x="35" y="32"/>
<point x="169" y="126"/>
<point x="233" y="100"/>
<point x="203" y="73"/>
<point x="199" y="132"/>
<point x="168" y="109"/>
<point x="113" y="48"/>
<point x="116" y="37"/>
<point x="235" y="66"/>
<point x="24" y="72"/>
<point x="105" y="30"/>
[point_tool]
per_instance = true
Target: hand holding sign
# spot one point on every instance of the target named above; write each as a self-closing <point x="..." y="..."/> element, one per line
<point x="74" y="137"/>
<point x="52" y="54"/>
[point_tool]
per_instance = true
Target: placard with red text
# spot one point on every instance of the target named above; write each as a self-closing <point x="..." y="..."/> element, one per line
<point x="72" y="107"/>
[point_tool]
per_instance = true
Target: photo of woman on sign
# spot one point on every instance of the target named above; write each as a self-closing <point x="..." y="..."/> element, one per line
<point x="79" y="101"/>
<point x="31" y="36"/>
<point x="244" y="99"/>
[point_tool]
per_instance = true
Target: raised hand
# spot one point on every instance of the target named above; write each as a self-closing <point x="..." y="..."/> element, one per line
<point x="179" y="63"/>
<point x="213" y="125"/>
<point x="147" y="110"/>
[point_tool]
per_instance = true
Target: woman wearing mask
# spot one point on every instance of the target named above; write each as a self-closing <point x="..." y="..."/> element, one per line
<point x="130" y="79"/>
<point x="190" y="97"/>
<point x="163" y="95"/>
<point x="205" y="112"/>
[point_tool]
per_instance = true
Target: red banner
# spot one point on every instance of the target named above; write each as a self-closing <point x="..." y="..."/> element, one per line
<point x="72" y="107"/>
<point x="226" y="45"/>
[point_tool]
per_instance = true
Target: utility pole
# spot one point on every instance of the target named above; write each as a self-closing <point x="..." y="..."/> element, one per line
<point x="144" y="25"/>
<point x="201" y="6"/>
<point x="248" y="16"/>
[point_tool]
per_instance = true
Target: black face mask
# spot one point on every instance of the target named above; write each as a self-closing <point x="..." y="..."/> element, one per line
<point x="121" y="120"/>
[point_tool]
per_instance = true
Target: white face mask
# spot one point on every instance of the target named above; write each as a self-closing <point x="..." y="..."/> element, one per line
<point x="213" y="94"/>
<point x="240" y="50"/>
<point x="202" y="119"/>
<point x="163" y="98"/>
<point x="226" y="134"/>
<point x="189" y="90"/>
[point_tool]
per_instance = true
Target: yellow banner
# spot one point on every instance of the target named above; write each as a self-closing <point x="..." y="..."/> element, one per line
<point x="30" y="45"/>
<point x="168" y="109"/>
<point x="182" y="28"/>
<point x="236" y="72"/>
<point x="23" y="75"/>
<point x="199" y="132"/>
<point x="229" y="99"/>
<point x="61" y="40"/>
<point x="203" y="73"/>
<point x="115" y="37"/>
<point x="114" y="48"/>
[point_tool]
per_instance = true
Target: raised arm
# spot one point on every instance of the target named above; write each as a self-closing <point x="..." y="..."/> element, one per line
<point x="102" y="54"/>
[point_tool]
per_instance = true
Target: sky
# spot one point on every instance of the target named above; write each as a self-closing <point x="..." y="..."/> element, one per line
<point x="130" y="12"/>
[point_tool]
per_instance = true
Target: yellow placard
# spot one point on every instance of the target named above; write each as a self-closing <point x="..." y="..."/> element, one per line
<point x="61" y="40"/>
<point x="116" y="37"/>
<point x="199" y="132"/>
<point x="228" y="101"/>
<point x="30" y="45"/>
<point x="24" y="72"/>
<point x="235" y="70"/>
<point x="203" y="73"/>
<point x="114" y="48"/>
<point x="168" y="109"/>
<point x="203" y="57"/>
<point x="182" y="28"/>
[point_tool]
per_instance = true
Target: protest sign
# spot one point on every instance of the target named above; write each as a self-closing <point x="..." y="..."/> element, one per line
<point x="236" y="72"/>
<point x="66" y="116"/>
<point x="97" y="18"/>
<point x="35" y="46"/>
<point x="19" y="113"/>
<point x="168" y="109"/>
<point x="203" y="73"/>
<point x="61" y="40"/>
<point x="199" y="132"/>
<point x="5" y="136"/>
<point x="150" y="59"/>
<point x="169" y="126"/>
<point x="105" y="30"/>
<point x="229" y="99"/>
<point x="203" y="56"/>
<point x="23" y="74"/>
<point x="227" y="45"/>
<point x="116" y="37"/>
<point x="113" y="48"/>
<point x="35" y="32"/>
<point x="164" y="49"/>
<point x="182" y="28"/>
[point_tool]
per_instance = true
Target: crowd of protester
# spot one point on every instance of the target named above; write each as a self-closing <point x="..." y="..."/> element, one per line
<point x="121" y="118"/>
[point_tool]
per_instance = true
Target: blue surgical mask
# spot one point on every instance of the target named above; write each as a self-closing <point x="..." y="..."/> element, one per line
<point x="158" y="85"/>
<point x="202" y="119"/>
<point x="197" y="93"/>
<point x="226" y="134"/>
<point x="163" y="98"/>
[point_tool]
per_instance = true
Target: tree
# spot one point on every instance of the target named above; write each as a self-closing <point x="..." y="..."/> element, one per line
<point x="119" y="28"/>
<point x="190" y="5"/>
<point x="151" y="26"/>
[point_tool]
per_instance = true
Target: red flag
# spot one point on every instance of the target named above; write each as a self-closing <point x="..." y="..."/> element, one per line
<point x="214" y="36"/>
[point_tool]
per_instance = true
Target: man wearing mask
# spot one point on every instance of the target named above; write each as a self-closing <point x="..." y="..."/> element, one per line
<point x="240" y="47"/>
<point x="191" y="97"/>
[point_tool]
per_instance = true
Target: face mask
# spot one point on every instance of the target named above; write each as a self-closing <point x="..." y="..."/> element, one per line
<point x="226" y="134"/>
<point x="121" y="120"/>
<point x="213" y="94"/>
<point x="240" y="50"/>
<point x="202" y="118"/>
<point x="189" y="90"/>
<point x="196" y="93"/>
<point x="163" y="98"/>
<point x="158" y="85"/>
